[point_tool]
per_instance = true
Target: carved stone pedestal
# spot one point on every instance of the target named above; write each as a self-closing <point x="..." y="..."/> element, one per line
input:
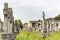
<point x="7" y="37"/>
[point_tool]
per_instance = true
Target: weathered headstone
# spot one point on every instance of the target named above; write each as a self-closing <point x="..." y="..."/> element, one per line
<point x="8" y="25"/>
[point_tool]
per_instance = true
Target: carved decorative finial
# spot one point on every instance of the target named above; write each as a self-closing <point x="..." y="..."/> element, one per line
<point x="43" y="15"/>
<point x="5" y="5"/>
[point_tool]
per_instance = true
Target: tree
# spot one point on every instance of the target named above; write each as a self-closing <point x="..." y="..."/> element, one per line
<point x="18" y="23"/>
<point x="57" y="17"/>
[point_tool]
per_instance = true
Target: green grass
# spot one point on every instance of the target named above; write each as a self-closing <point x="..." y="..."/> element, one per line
<point x="0" y="36"/>
<point x="26" y="35"/>
<point x="53" y="36"/>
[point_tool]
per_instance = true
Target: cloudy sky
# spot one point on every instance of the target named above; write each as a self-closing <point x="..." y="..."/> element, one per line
<point x="27" y="10"/>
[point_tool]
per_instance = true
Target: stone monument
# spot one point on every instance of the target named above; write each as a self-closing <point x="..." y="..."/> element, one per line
<point x="44" y="26"/>
<point x="8" y="26"/>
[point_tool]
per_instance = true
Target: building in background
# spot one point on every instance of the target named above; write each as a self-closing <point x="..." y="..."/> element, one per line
<point x="51" y="24"/>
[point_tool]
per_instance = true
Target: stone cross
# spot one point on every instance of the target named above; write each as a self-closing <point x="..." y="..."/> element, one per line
<point x="8" y="24"/>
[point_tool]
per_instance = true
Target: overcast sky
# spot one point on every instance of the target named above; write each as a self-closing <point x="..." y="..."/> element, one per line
<point x="27" y="10"/>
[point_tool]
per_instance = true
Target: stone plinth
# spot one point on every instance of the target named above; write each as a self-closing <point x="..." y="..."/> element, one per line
<point x="7" y="37"/>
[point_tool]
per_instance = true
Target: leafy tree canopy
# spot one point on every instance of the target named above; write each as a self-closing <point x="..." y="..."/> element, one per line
<point x="57" y="17"/>
<point x="18" y="22"/>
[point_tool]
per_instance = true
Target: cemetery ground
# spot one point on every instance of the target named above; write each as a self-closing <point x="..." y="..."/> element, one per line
<point x="32" y="35"/>
<point x="9" y="24"/>
<point x="28" y="35"/>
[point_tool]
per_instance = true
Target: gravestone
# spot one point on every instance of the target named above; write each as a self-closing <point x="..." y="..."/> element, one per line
<point x="8" y="25"/>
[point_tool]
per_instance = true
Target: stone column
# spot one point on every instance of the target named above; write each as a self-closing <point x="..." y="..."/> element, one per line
<point x="44" y="26"/>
